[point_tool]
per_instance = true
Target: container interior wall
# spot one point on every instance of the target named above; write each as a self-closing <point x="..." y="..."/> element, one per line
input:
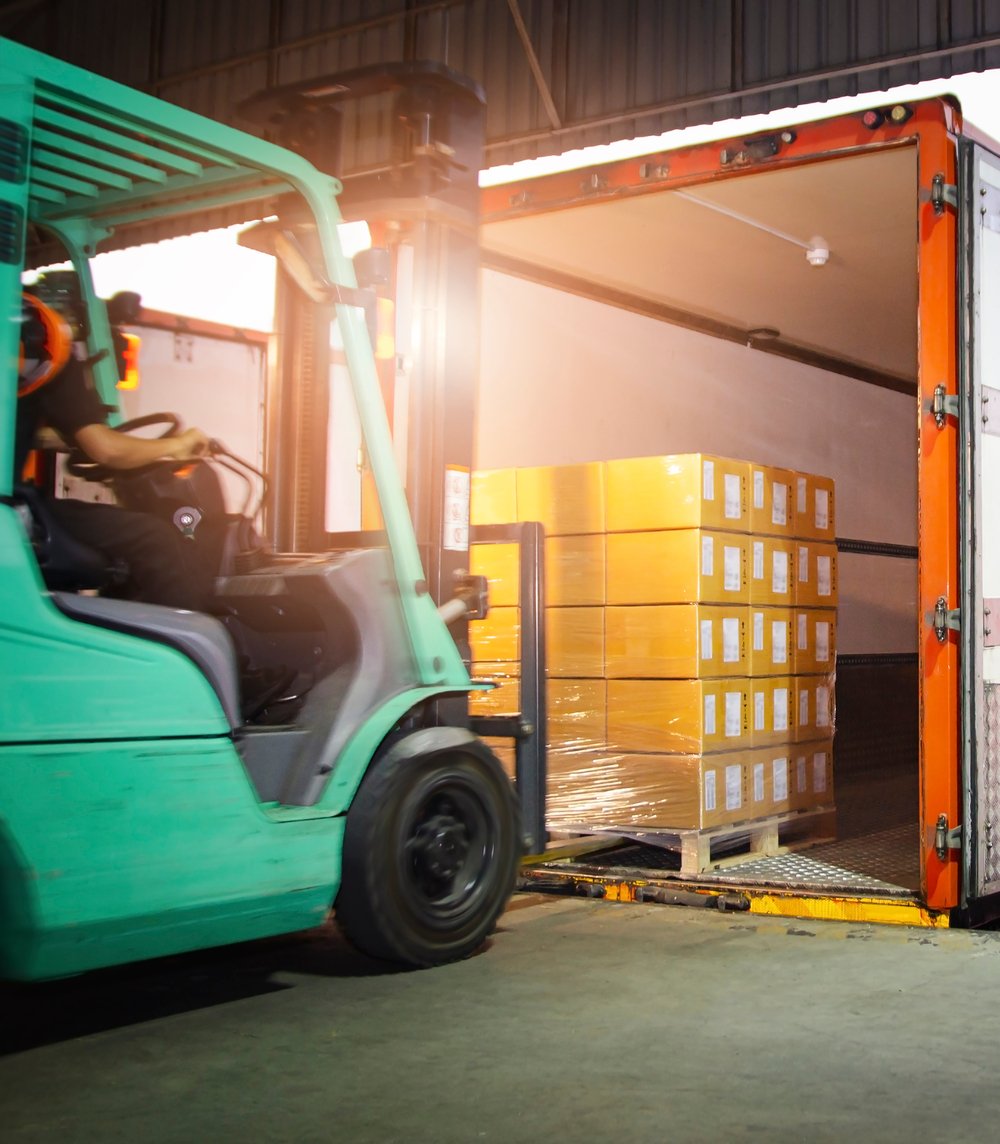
<point x="566" y="379"/>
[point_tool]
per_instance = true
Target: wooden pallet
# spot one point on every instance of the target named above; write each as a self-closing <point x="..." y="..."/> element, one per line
<point x="764" y="838"/>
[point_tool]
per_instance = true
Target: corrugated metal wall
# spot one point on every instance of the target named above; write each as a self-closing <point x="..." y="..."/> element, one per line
<point x="558" y="74"/>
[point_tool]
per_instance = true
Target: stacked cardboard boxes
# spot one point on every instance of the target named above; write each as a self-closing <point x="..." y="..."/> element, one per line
<point x="690" y="623"/>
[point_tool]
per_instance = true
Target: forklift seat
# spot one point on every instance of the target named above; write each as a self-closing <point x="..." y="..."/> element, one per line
<point x="203" y="639"/>
<point x="66" y="564"/>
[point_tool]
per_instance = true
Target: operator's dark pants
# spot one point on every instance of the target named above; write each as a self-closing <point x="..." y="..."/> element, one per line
<point x="163" y="566"/>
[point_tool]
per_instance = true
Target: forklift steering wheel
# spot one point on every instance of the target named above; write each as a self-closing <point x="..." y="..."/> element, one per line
<point x="80" y="465"/>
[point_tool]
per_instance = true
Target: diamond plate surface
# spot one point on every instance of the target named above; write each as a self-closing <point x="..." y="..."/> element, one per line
<point x="988" y="788"/>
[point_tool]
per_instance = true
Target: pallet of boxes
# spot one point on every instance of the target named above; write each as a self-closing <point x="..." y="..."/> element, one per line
<point x="691" y="647"/>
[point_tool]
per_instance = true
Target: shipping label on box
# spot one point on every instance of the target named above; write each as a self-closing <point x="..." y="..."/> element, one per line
<point x="500" y="564"/>
<point x="773" y="712"/>
<point x="568" y="500"/>
<point x="814" y="516"/>
<point x="772" y="577"/>
<point x="689" y="490"/>
<point x="574" y="642"/>
<point x="771" y="641"/>
<point x="683" y="566"/>
<point x="678" y="716"/>
<point x="574" y="571"/>
<point x="815" y="707"/>
<point x="770" y="770"/>
<point x="815" y="641"/>
<point x="577" y="714"/>
<point x="813" y="775"/>
<point x="815" y="574"/>
<point x="497" y="638"/>
<point x="676" y="641"/>
<point x="772" y="501"/>
<point x="493" y="497"/>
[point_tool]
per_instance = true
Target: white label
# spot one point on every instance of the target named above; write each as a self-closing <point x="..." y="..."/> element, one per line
<point x="803" y="708"/>
<point x="731" y="485"/>
<point x="758" y="631"/>
<point x="800" y="774"/>
<point x="804" y="565"/>
<point x="758" y="489"/>
<point x="823" y="575"/>
<point x="822" y="706"/>
<point x="707" y="556"/>
<point x="779" y="642"/>
<point x="456" y="509"/>
<point x="731" y="566"/>
<point x="803" y="631"/>
<point x="710" y="790"/>
<point x="708" y="480"/>
<point x="706" y="639"/>
<point x="779" y="777"/>
<point x="801" y="494"/>
<point x="822" y="641"/>
<point x="731" y="641"/>
<point x="758" y="782"/>
<point x="779" y="572"/>
<point x="819" y="772"/>
<point x="758" y="710"/>
<point x="709" y="714"/>
<point x="779" y="503"/>
<point x="822" y="509"/>
<point x="734" y="787"/>
<point x="758" y="560"/>
<point x="781" y="709"/>
<point x="734" y="724"/>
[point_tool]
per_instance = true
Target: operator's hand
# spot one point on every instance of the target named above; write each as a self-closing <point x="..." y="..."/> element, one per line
<point x="189" y="445"/>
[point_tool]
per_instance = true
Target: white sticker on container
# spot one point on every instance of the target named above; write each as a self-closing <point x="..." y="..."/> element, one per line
<point x="707" y="556"/>
<point x="457" y="484"/>
<point x="758" y="710"/>
<point x="779" y="572"/>
<point x="731" y="641"/>
<point x="779" y="641"/>
<point x="710" y="790"/>
<point x="731" y="485"/>
<point x="758" y="559"/>
<point x="779" y="778"/>
<point x="800" y="774"/>
<point x="758" y="488"/>
<point x="708" y="480"/>
<point x="706" y="639"/>
<point x="804" y="565"/>
<point x="781" y="709"/>
<point x="822" y="509"/>
<point x="709" y="714"/>
<point x="779" y="503"/>
<point x="822" y="641"/>
<point x="824" y="578"/>
<point x="734" y="786"/>
<point x="822" y="706"/>
<point x="734" y="709"/>
<point x="801" y="494"/>
<point x="803" y="631"/>
<point x="758" y="631"/>
<point x="819" y="772"/>
<point x="804" y="707"/>
<point x="731" y="569"/>
<point x="758" y="782"/>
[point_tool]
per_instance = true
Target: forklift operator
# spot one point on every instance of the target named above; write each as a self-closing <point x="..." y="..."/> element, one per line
<point x="54" y="390"/>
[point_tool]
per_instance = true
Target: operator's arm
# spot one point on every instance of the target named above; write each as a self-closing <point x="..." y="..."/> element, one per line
<point x="117" y="450"/>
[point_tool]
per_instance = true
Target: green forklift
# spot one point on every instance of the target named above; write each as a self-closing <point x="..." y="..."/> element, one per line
<point x="145" y="809"/>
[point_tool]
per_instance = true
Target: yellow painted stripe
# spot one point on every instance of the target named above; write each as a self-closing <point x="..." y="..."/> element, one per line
<point x="882" y="911"/>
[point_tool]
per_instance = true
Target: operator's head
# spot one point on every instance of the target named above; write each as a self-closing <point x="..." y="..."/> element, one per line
<point x="46" y="344"/>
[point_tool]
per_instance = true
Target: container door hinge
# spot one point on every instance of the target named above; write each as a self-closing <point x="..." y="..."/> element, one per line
<point x="945" y="839"/>
<point x="943" y="194"/>
<point x="945" y="619"/>
<point x="943" y="405"/>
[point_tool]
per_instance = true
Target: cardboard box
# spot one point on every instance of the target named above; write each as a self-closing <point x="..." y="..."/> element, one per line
<point x="575" y="569"/>
<point x="684" y="566"/>
<point x="500" y="564"/>
<point x="814" y="507"/>
<point x="772" y="564"/>
<point x="815" y="574"/>
<point x="678" y="716"/>
<point x="773" y="711"/>
<point x="577" y="714"/>
<point x="768" y="779"/>
<point x="574" y="643"/>
<point x="504" y="698"/>
<point x="681" y="792"/>
<point x="691" y="490"/>
<point x="493" y="495"/>
<point x="815" y="707"/>
<point x="772" y="651"/>
<point x="497" y="638"/>
<point x="772" y="501"/>
<point x="676" y="641"/>
<point x="812" y="775"/>
<point x="567" y="499"/>
<point x="815" y="641"/>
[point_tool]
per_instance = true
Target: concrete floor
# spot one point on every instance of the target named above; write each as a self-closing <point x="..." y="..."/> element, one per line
<point x="581" y="1021"/>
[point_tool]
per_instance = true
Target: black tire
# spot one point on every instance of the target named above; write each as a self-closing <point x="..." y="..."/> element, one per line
<point x="431" y="852"/>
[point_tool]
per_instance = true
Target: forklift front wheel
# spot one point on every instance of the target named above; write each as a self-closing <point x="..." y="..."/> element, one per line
<point x="431" y="850"/>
